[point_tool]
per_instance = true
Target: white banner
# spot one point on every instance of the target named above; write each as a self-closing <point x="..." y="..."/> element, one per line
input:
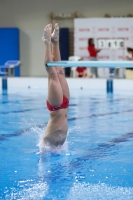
<point x="105" y="29"/>
<point x="112" y="35"/>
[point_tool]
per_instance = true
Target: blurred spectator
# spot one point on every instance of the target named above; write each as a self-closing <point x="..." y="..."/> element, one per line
<point x="81" y="72"/>
<point x="93" y="54"/>
<point x="130" y="51"/>
<point x="129" y="71"/>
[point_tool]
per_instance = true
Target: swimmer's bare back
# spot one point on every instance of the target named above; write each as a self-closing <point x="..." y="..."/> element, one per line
<point x="58" y="91"/>
<point x="56" y="130"/>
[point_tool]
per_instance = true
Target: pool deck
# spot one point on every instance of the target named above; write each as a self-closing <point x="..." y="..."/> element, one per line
<point x="74" y="83"/>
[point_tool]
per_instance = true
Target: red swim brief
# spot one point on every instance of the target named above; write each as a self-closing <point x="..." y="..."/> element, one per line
<point x="64" y="104"/>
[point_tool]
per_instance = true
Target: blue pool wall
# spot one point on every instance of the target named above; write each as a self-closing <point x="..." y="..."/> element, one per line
<point x="9" y="47"/>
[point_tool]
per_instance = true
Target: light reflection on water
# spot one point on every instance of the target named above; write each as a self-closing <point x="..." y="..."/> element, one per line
<point x="28" y="190"/>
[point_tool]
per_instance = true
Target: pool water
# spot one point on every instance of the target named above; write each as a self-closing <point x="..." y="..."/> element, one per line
<point x="95" y="163"/>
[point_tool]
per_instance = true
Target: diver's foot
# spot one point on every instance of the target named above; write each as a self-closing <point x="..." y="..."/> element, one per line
<point x="55" y="35"/>
<point x="47" y="34"/>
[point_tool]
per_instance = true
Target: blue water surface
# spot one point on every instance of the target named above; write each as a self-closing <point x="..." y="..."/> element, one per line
<point x="95" y="163"/>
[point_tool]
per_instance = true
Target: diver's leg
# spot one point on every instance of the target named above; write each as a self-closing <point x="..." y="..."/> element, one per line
<point x="55" y="94"/>
<point x="56" y="57"/>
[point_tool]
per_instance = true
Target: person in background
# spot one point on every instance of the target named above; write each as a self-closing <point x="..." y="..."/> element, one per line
<point x="130" y="51"/>
<point x="129" y="71"/>
<point x="93" y="54"/>
<point x="81" y="72"/>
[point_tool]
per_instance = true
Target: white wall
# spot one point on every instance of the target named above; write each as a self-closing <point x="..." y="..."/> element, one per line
<point x="32" y="15"/>
<point x="26" y="83"/>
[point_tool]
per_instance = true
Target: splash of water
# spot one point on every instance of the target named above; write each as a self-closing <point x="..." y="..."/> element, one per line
<point x="28" y="189"/>
<point x="100" y="191"/>
<point x="38" y="190"/>
<point x="44" y="148"/>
